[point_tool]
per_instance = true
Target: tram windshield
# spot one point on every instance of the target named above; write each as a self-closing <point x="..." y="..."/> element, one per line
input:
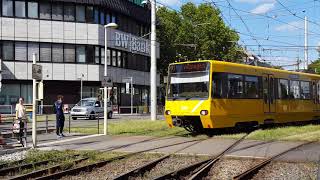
<point x="188" y="81"/>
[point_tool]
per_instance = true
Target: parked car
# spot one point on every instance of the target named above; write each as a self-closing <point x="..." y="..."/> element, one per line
<point x="91" y="108"/>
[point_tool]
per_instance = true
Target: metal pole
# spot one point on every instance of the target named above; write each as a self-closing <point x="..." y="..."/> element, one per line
<point x="306" y="42"/>
<point x="131" y="95"/>
<point x="69" y="123"/>
<point x="47" y="124"/>
<point x="105" y="107"/>
<point x="153" y="69"/>
<point x="81" y="84"/>
<point x="34" y="102"/>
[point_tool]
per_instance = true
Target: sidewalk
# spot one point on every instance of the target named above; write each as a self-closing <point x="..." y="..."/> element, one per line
<point x="212" y="146"/>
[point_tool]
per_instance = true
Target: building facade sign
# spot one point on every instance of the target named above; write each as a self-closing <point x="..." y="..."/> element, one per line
<point x="130" y="43"/>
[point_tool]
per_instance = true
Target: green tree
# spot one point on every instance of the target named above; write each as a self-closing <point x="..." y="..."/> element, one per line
<point x="196" y="32"/>
<point x="314" y="67"/>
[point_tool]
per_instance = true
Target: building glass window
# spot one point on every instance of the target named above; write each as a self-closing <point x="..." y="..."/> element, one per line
<point x="283" y="89"/>
<point x="57" y="52"/>
<point x="7" y="7"/>
<point x="45" y="10"/>
<point x="305" y="90"/>
<point x="33" y="48"/>
<point x="7" y="50"/>
<point x="235" y="86"/>
<point x="102" y="18"/>
<point x="114" y="18"/>
<point x="124" y="59"/>
<point x="114" y="58"/>
<point x="96" y="15"/>
<point x="21" y="51"/>
<point x="69" y="11"/>
<point x="80" y="13"/>
<point x="69" y="53"/>
<point x="97" y="55"/>
<point x="20" y="8"/>
<point x="81" y="54"/>
<point x="108" y="57"/>
<point x="57" y="12"/>
<point x="45" y="52"/>
<point x="33" y="9"/>
<point x="251" y="85"/>
<point x="89" y="14"/>
<point x="108" y="18"/>
<point x="119" y="59"/>
<point x="102" y="56"/>
<point x="90" y="54"/>
<point x="294" y="90"/>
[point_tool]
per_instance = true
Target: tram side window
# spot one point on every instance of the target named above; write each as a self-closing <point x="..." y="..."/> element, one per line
<point x="235" y="86"/>
<point x="305" y="90"/>
<point x="294" y="90"/>
<point x="251" y="87"/>
<point x="283" y="89"/>
<point x="217" y="85"/>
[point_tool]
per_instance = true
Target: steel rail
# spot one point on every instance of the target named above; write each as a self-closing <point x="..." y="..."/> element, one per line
<point x="91" y="166"/>
<point x="49" y="170"/>
<point x="148" y="166"/>
<point x="202" y="166"/>
<point x="248" y="174"/>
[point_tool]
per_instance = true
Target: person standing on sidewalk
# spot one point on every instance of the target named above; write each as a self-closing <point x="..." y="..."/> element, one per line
<point x="58" y="110"/>
<point x="20" y="117"/>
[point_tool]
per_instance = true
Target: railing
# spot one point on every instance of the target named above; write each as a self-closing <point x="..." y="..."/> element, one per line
<point x="6" y="109"/>
<point x="139" y="109"/>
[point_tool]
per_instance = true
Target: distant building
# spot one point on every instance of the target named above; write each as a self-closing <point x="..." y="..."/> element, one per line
<point x="68" y="37"/>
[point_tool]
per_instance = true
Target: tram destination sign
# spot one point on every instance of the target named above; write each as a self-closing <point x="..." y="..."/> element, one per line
<point x="190" y="67"/>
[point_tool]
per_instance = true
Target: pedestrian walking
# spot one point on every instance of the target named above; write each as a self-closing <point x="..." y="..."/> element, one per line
<point x="20" y="117"/>
<point x="58" y="110"/>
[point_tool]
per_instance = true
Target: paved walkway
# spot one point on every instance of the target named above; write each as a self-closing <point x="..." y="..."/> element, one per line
<point x="212" y="146"/>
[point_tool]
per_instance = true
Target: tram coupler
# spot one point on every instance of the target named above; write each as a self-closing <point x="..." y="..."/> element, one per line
<point x="177" y="122"/>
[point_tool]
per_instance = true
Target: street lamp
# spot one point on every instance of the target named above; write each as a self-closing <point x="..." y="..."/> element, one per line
<point x="81" y="86"/>
<point x="153" y="68"/>
<point x="105" y="107"/>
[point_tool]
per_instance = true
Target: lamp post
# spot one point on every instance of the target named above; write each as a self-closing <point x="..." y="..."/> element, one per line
<point x="153" y="68"/>
<point x="81" y="87"/>
<point x="105" y="107"/>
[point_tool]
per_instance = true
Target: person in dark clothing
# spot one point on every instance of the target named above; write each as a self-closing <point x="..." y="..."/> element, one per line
<point x="58" y="110"/>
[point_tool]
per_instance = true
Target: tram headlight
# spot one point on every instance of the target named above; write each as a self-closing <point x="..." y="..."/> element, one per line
<point x="204" y="112"/>
<point x="168" y="112"/>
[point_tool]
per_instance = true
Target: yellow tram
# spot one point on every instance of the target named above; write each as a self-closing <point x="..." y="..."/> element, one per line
<point x="215" y="94"/>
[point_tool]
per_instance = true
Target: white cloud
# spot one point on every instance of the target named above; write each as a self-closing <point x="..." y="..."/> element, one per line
<point x="291" y="26"/>
<point x="256" y="1"/>
<point x="173" y="3"/>
<point x="263" y="8"/>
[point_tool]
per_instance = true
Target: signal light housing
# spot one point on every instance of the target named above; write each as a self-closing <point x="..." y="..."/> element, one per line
<point x="204" y="112"/>
<point x="168" y="112"/>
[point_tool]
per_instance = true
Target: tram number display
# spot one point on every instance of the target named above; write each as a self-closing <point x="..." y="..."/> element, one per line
<point x="189" y="67"/>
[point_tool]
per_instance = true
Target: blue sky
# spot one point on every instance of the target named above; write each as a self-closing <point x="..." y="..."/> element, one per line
<point x="276" y="25"/>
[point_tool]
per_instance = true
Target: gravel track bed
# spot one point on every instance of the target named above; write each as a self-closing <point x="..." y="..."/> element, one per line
<point x="14" y="156"/>
<point x="116" y="168"/>
<point x="292" y="171"/>
<point x="171" y="164"/>
<point x="228" y="168"/>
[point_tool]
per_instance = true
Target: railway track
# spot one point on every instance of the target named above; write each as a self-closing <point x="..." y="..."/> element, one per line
<point x="58" y="171"/>
<point x="249" y="173"/>
<point x="199" y="169"/>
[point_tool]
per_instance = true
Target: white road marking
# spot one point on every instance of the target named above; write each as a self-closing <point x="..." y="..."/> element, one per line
<point x="197" y="106"/>
<point x="68" y="140"/>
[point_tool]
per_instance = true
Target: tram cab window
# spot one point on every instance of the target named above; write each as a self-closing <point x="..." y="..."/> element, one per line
<point x="305" y="90"/>
<point x="283" y="89"/>
<point x="251" y="87"/>
<point x="235" y="86"/>
<point x="294" y="90"/>
<point x="218" y="85"/>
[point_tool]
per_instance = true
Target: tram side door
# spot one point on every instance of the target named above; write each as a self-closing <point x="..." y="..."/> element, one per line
<point x="269" y="94"/>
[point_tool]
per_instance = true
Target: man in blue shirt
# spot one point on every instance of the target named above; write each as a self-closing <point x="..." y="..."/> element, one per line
<point x="58" y="110"/>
